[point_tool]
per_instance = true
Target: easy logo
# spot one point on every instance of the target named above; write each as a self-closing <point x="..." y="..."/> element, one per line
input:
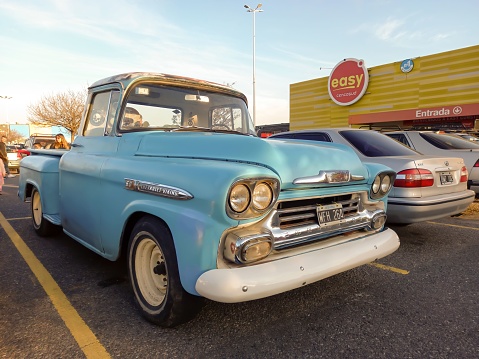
<point x="348" y="82"/>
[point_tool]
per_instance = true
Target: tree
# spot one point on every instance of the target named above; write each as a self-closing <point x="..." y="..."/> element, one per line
<point x="15" y="137"/>
<point x="64" y="109"/>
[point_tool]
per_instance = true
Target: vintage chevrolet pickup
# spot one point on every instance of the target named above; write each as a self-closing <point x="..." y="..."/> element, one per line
<point x="168" y="171"/>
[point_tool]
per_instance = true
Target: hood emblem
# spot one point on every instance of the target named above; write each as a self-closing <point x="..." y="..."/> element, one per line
<point x="335" y="176"/>
<point x="446" y="163"/>
<point x="157" y="189"/>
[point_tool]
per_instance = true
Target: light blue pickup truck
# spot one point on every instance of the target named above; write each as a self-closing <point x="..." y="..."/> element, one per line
<point x="169" y="172"/>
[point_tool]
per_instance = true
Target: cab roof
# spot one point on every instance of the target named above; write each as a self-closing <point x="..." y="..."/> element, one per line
<point x="128" y="78"/>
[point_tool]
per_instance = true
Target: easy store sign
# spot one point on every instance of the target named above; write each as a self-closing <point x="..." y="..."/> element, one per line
<point x="348" y="82"/>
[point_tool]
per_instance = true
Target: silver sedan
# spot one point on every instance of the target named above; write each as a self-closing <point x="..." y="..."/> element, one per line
<point x="426" y="187"/>
<point x="444" y="144"/>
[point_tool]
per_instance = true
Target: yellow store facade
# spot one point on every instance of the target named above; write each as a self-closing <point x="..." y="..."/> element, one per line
<point x="435" y="91"/>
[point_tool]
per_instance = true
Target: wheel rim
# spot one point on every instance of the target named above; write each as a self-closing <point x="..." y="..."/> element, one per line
<point x="37" y="212"/>
<point x="152" y="281"/>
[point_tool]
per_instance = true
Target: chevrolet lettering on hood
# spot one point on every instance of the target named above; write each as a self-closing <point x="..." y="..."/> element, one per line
<point x="177" y="182"/>
<point x="157" y="189"/>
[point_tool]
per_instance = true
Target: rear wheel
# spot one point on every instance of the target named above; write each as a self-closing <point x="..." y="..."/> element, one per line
<point x="154" y="275"/>
<point x="43" y="227"/>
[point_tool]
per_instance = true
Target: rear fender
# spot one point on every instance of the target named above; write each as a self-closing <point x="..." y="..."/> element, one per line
<point x="42" y="173"/>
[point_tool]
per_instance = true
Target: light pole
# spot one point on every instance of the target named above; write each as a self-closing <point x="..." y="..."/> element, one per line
<point x="254" y="11"/>
<point x="6" y="98"/>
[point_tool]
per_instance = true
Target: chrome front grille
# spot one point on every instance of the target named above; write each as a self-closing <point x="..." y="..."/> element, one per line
<point x="295" y="222"/>
<point x="298" y="213"/>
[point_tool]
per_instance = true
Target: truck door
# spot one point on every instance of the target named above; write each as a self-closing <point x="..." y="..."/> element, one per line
<point x="81" y="193"/>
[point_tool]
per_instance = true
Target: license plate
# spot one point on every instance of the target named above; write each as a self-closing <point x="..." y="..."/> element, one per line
<point x="446" y="178"/>
<point x="329" y="213"/>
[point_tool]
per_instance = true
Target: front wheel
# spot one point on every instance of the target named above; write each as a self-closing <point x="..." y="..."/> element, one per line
<point x="43" y="227"/>
<point x="154" y="275"/>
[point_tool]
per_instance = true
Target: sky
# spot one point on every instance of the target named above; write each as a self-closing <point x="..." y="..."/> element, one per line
<point x="52" y="46"/>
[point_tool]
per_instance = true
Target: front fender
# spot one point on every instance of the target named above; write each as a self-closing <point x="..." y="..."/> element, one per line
<point x="196" y="235"/>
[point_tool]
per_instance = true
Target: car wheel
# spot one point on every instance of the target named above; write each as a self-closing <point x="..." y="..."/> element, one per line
<point x="43" y="227"/>
<point x="154" y="275"/>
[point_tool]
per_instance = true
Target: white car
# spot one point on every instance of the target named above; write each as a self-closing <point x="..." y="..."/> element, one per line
<point x="444" y="144"/>
<point x="426" y="187"/>
<point x="468" y="137"/>
<point x="14" y="157"/>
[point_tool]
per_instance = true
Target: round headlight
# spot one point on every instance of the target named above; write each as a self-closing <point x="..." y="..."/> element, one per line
<point x="385" y="184"/>
<point x="239" y="198"/>
<point x="376" y="184"/>
<point x="262" y="196"/>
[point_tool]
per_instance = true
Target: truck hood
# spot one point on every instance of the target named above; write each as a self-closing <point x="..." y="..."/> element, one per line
<point x="289" y="159"/>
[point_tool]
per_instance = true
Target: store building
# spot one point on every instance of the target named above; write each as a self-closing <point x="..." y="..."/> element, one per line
<point x="439" y="91"/>
<point x="265" y="131"/>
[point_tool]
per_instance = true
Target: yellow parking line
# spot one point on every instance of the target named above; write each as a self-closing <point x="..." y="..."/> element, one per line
<point x="18" y="218"/>
<point x="455" y="225"/>
<point x="392" y="269"/>
<point x="85" y="338"/>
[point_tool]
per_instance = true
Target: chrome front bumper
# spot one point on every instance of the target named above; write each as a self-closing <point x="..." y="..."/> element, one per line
<point x="232" y="285"/>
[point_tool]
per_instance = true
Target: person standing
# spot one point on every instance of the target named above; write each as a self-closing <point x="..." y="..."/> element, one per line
<point x="2" y="174"/>
<point x="4" y="157"/>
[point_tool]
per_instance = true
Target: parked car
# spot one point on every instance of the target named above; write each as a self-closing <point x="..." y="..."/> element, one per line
<point x="14" y="157"/>
<point x="468" y="137"/>
<point x="168" y="171"/>
<point x="443" y="144"/>
<point x="426" y="187"/>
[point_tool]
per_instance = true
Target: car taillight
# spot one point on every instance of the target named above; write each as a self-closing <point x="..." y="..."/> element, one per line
<point x="464" y="173"/>
<point x="476" y="164"/>
<point x="414" y="178"/>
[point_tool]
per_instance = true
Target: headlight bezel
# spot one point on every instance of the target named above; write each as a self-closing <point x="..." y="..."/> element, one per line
<point x="252" y="210"/>
<point x="380" y="186"/>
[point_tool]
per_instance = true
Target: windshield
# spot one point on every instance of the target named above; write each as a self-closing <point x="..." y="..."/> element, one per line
<point x="152" y="107"/>
<point x="449" y="142"/>
<point x="375" y="144"/>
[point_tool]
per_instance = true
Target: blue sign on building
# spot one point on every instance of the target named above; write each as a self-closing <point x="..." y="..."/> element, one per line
<point x="407" y="65"/>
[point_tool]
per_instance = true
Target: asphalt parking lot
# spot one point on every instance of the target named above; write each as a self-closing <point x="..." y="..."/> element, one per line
<point x="419" y="302"/>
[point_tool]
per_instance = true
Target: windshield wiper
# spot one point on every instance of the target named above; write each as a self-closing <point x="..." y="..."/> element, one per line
<point x="204" y="129"/>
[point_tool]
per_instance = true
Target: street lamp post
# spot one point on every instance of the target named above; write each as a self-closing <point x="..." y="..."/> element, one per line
<point x="6" y="98"/>
<point x="254" y="11"/>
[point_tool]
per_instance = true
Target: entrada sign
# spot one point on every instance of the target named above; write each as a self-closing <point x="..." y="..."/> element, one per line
<point x="441" y="112"/>
<point x="417" y="114"/>
<point x="348" y="81"/>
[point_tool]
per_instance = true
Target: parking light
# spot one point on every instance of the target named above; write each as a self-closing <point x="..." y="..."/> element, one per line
<point x="247" y="247"/>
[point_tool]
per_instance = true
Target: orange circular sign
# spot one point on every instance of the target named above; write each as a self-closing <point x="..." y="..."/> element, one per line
<point x="348" y="82"/>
